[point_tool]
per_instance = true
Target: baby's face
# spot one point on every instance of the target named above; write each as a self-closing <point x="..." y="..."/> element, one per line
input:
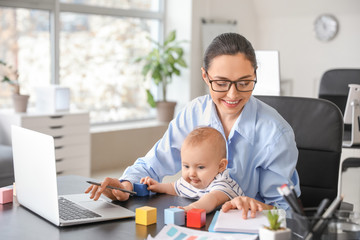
<point x="200" y="164"/>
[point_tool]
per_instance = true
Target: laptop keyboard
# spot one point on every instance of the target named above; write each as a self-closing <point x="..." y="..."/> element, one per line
<point x="71" y="211"/>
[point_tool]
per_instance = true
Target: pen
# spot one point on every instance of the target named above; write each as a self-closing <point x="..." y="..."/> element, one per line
<point x="120" y="189"/>
<point x="291" y="199"/>
<point x="323" y="204"/>
<point x="328" y="213"/>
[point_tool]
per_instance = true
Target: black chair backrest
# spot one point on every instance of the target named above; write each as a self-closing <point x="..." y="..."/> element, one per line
<point x="334" y="85"/>
<point x="318" y="128"/>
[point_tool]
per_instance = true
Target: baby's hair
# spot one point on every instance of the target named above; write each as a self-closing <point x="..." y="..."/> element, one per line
<point x="201" y="134"/>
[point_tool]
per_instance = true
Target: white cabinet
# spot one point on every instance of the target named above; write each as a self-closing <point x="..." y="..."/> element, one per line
<point x="71" y="135"/>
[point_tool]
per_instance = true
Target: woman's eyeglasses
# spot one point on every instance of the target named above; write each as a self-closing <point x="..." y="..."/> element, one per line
<point x="225" y="85"/>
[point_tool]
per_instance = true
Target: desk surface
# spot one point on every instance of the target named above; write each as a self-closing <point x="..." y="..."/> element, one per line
<point x="16" y="222"/>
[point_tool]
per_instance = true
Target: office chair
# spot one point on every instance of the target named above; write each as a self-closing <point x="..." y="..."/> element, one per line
<point x="334" y="86"/>
<point x="318" y="128"/>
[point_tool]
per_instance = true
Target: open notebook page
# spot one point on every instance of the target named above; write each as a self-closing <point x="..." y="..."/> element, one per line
<point x="232" y="221"/>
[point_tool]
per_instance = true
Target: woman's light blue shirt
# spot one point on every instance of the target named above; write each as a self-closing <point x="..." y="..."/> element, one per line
<point x="262" y="153"/>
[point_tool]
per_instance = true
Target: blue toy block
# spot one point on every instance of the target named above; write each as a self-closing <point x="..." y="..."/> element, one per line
<point x="174" y="216"/>
<point x="141" y="189"/>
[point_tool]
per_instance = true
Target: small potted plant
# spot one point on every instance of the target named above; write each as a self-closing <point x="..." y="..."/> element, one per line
<point x="10" y="76"/>
<point x="275" y="231"/>
<point x="162" y="62"/>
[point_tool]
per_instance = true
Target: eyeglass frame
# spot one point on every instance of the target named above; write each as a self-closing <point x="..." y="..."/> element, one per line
<point x="231" y="83"/>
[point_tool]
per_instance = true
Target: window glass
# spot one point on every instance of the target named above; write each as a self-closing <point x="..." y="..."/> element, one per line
<point x="97" y="56"/>
<point x="149" y="5"/>
<point x="25" y="45"/>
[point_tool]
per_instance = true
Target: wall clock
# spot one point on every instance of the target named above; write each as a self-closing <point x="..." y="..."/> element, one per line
<point x="326" y="27"/>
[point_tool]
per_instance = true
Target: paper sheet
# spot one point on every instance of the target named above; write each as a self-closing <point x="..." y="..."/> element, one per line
<point x="175" y="232"/>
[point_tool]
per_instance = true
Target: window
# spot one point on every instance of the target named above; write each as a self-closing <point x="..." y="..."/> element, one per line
<point x="98" y="41"/>
<point x="96" y="62"/>
<point x="25" y="45"/>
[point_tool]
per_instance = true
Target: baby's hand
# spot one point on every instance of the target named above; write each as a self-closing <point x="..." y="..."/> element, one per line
<point x="150" y="182"/>
<point x="187" y="208"/>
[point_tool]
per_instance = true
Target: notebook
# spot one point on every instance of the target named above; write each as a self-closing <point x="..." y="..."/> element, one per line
<point x="36" y="184"/>
<point x="232" y="222"/>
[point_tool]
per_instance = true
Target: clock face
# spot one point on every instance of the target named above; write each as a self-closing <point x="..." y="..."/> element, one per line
<point x="326" y="27"/>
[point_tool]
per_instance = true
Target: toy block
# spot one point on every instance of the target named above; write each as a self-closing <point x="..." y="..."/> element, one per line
<point x="141" y="189"/>
<point x="145" y="215"/>
<point x="196" y="218"/>
<point x="6" y="195"/>
<point x="174" y="216"/>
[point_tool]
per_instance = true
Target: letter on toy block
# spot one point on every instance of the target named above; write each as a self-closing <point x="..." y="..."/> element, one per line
<point x="145" y="215"/>
<point x="6" y="195"/>
<point x="174" y="216"/>
<point x="141" y="189"/>
<point x="196" y="218"/>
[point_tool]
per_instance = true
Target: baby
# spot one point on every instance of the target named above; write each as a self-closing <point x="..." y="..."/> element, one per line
<point x="204" y="173"/>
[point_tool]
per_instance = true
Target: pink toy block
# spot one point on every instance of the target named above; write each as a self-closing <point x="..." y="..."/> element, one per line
<point x="6" y="195"/>
<point x="196" y="218"/>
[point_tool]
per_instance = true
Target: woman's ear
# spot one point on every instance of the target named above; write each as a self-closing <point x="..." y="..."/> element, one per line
<point x="203" y="74"/>
<point x="222" y="165"/>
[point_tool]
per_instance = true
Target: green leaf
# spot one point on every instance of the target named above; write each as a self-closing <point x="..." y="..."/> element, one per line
<point x="150" y="98"/>
<point x="139" y="59"/>
<point x="171" y="59"/>
<point x="178" y="50"/>
<point x="176" y="71"/>
<point x="273" y="218"/>
<point x="156" y="75"/>
<point x="146" y="69"/>
<point x="181" y="62"/>
<point x="171" y="37"/>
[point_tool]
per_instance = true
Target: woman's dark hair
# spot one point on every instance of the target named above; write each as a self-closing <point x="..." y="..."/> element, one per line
<point x="229" y="44"/>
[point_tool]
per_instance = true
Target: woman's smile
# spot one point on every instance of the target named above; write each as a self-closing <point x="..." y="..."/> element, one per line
<point x="231" y="103"/>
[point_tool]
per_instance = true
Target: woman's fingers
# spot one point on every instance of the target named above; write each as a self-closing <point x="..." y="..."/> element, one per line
<point x="245" y="204"/>
<point x="120" y="195"/>
<point x="89" y="189"/>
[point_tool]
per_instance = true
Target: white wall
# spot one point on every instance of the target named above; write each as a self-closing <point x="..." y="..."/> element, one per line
<point x="217" y="10"/>
<point x="179" y="18"/>
<point x="287" y="26"/>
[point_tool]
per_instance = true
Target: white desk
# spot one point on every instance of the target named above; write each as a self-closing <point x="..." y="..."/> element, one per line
<point x="349" y="181"/>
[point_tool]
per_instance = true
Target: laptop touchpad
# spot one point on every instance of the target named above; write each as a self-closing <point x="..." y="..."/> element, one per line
<point x="97" y="205"/>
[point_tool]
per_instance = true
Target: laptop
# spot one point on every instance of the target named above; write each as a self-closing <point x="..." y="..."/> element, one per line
<point x="36" y="184"/>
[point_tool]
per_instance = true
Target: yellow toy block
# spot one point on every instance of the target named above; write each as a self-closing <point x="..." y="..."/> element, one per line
<point x="145" y="215"/>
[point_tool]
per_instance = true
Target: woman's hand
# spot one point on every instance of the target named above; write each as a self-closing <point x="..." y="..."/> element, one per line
<point x="245" y="203"/>
<point x="113" y="194"/>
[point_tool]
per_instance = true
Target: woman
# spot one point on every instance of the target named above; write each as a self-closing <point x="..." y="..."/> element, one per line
<point x="262" y="152"/>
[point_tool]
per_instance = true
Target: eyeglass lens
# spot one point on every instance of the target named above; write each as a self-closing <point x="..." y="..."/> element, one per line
<point x="243" y="86"/>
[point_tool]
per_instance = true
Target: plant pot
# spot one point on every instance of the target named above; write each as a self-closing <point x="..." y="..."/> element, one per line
<point x="20" y="102"/>
<point x="165" y="111"/>
<point x="267" y="234"/>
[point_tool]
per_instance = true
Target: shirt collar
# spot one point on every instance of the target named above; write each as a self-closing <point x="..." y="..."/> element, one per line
<point x="211" y="117"/>
<point x="246" y="122"/>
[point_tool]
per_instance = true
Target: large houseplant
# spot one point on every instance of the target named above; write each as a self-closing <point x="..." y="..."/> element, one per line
<point x="9" y="75"/>
<point x="161" y="64"/>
